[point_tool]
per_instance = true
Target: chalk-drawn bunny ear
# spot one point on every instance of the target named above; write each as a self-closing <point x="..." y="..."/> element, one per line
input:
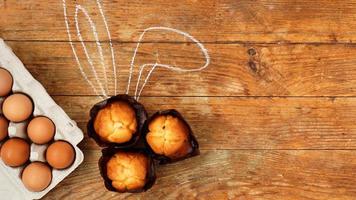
<point x="102" y="85"/>
<point x="153" y="66"/>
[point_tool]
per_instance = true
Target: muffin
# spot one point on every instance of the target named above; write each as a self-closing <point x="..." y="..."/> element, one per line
<point x="116" y="122"/>
<point x="169" y="136"/>
<point x="127" y="170"/>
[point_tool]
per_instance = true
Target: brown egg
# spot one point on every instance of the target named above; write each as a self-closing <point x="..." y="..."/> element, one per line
<point x="41" y="130"/>
<point x="17" y="107"/>
<point x="15" y="152"/>
<point x="4" y="124"/>
<point x="6" y="82"/>
<point x="60" y="155"/>
<point x="36" y="176"/>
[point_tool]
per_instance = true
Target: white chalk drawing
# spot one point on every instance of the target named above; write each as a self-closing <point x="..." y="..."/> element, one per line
<point x="104" y="89"/>
<point x="76" y="55"/>
<point x="110" y="42"/>
<point x="100" y="49"/>
<point x="154" y="65"/>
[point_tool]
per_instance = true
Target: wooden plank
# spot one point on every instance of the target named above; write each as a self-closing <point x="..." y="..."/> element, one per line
<point x="249" y="123"/>
<point x="328" y="21"/>
<point x="274" y="113"/>
<point x="231" y="175"/>
<point x="235" y="70"/>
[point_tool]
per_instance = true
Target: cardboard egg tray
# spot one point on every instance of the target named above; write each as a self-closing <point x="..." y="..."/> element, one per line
<point x="11" y="186"/>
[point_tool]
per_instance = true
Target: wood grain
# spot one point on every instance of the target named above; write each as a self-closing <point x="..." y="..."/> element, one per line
<point x="325" y="21"/>
<point x="235" y="70"/>
<point x="231" y="175"/>
<point x="274" y="112"/>
<point x="249" y="123"/>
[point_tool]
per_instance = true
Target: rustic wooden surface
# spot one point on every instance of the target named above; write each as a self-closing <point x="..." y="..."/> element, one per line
<point x="274" y="112"/>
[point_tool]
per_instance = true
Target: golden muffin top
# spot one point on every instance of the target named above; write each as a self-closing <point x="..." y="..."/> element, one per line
<point x="168" y="136"/>
<point x="116" y="122"/>
<point x="128" y="170"/>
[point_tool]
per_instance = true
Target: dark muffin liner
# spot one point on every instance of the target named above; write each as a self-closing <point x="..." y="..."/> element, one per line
<point x="107" y="154"/>
<point x="141" y="116"/>
<point x="192" y="140"/>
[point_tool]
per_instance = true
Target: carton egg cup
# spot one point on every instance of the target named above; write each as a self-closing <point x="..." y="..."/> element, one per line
<point x="11" y="186"/>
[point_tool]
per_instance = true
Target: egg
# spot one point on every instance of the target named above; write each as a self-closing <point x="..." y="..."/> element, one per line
<point x="6" y="82"/>
<point x="15" y="152"/>
<point x="17" y="107"/>
<point x="36" y="176"/>
<point x="4" y="124"/>
<point x="41" y="130"/>
<point x="60" y="155"/>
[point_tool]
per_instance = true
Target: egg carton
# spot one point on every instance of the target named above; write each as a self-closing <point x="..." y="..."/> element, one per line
<point x="11" y="186"/>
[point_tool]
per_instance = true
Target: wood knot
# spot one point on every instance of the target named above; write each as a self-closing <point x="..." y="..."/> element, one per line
<point x="252" y="61"/>
<point x="251" y="52"/>
<point x="252" y="66"/>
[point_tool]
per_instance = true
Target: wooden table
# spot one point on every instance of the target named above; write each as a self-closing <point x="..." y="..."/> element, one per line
<point x="274" y="112"/>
